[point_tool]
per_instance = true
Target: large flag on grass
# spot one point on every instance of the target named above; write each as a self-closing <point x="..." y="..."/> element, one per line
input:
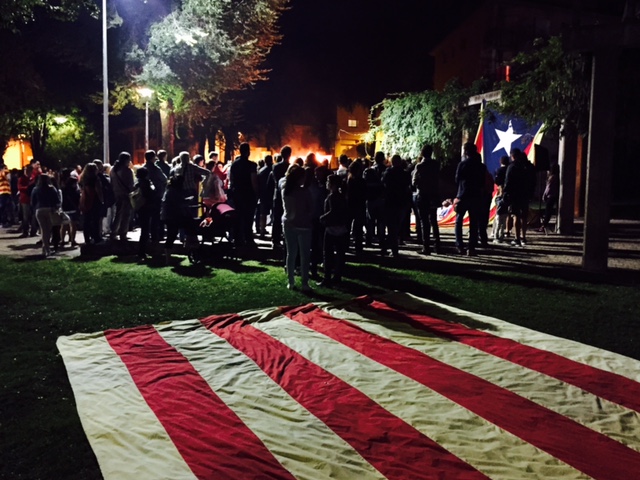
<point x="396" y="387"/>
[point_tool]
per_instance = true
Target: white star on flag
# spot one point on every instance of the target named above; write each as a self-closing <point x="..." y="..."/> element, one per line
<point x="506" y="139"/>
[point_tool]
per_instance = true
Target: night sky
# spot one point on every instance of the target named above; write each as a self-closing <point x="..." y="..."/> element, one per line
<point x="347" y="51"/>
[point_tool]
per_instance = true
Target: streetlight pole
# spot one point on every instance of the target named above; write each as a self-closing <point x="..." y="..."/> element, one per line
<point x="105" y="86"/>
<point x="146" y="125"/>
<point x="146" y="94"/>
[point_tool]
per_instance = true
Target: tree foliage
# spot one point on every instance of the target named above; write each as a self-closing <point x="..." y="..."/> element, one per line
<point x="15" y="13"/>
<point x="412" y="120"/>
<point x="45" y="71"/>
<point x="548" y="85"/>
<point x="58" y="139"/>
<point x="71" y="142"/>
<point x="204" y="49"/>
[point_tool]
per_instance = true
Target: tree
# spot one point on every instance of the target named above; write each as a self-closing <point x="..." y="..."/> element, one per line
<point x="202" y="51"/>
<point x="71" y="141"/>
<point x="45" y="71"/>
<point x="58" y="139"/>
<point x="15" y="13"/>
<point x="551" y="85"/>
<point x="411" y="120"/>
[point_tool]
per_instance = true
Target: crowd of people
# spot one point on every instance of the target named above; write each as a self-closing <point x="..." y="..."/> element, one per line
<point x="316" y="214"/>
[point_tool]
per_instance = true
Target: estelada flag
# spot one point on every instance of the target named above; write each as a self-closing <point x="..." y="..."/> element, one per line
<point x="396" y="387"/>
<point x="498" y="134"/>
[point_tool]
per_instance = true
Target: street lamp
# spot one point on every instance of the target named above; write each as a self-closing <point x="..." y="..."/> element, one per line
<point x="105" y="86"/>
<point x="146" y="93"/>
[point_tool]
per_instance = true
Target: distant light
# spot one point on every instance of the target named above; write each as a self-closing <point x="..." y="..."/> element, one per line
<point x="507" y="73"/>
<point x="145" y="92"/>
<point x="60" y="119"/>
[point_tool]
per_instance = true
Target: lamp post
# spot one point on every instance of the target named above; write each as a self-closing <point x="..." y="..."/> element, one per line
<point x="146" y="93"/>
<point x="105" y="85"/>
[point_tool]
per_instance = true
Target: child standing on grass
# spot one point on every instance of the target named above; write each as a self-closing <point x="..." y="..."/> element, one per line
<point x="336" y="234"/>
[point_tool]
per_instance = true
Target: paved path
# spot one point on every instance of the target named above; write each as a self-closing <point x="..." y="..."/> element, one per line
<point x="541" y="251"/>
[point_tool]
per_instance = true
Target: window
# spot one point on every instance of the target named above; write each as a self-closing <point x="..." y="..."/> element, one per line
<point x="352" y="123"/>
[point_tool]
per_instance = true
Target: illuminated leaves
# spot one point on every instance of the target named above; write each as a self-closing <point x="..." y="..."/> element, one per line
<point x="14" y="13"/>
<point x="411" y="120"/>
<point x="204" y="49"/>
<point x="549" y="85"/>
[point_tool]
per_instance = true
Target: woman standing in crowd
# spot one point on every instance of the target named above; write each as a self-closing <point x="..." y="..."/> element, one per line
<point x="91" y="200"/>
<point x="297" y="223"/>
<point x="70" y="204"/>
<point x="122" y="183"/>
<point x="45" y="199"/>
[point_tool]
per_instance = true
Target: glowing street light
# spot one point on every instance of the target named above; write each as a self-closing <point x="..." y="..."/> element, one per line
<point x="146" y="93"/>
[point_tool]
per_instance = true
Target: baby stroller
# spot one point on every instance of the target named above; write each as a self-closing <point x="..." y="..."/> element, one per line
<point x="214" y="232"/>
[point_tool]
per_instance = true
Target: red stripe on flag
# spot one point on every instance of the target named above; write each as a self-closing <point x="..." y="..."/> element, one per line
<point x="210" y="437"/>
<point x="480" y="140"/>
<point x="393" y="447"/>
<point x="607" y="385"/>
<point x="590" y="452"/>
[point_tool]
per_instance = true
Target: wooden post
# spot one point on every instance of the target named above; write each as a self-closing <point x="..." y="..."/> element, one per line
<point x="600" y="158"/>
<point x="567" y="161"/>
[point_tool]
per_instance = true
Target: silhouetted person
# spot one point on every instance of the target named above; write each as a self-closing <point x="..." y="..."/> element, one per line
<point x="470" y="178"/>
<point x="243" y="191"/>
<point x="426" y="181"/>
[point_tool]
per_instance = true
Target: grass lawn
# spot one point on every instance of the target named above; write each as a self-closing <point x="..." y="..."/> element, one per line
<point x="40" y="300"/>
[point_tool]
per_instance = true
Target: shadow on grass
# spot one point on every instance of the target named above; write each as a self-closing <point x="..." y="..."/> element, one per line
<point x="413" y="308"/>
<point x="494" y="263"/>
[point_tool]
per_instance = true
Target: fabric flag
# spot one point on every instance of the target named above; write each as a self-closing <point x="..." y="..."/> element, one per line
<point x="395" y="387"/>
<point x="498" y="134"/>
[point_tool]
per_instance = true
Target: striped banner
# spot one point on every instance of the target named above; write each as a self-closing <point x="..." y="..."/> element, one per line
<point x="396" y="387"/>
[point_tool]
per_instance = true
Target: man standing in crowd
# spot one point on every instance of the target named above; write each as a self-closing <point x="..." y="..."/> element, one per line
<point x="426" y="178"/>
<point x="470" y="177"/>
<point x="519" y="185"/>
<point x="278" y="171"/>
<point x="243" y="190"/>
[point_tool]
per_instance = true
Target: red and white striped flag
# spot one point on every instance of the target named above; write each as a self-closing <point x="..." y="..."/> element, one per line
<point x="398" y="387"/>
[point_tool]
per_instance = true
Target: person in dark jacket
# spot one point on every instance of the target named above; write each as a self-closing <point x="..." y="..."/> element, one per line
<point x="45" y="199"/>
<point x="397" y="201"/>
<point x="470" y="179"/>
<point x="91" y="201"/>
<point x="426" y="181"/>
<point x="176" y="212"/>
<point x="519" y="186"/>
<point x="277" y="173"/>
<point x="148" y="210"/>
<point x="265" y="196"/>
<point x="336" y="233"/>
